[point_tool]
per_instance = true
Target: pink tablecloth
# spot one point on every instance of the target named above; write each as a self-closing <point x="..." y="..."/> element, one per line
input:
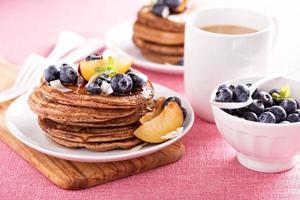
<point x="209" y="169"/>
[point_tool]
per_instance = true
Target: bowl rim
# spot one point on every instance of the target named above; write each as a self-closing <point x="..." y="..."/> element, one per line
<point x="247" y="122"/>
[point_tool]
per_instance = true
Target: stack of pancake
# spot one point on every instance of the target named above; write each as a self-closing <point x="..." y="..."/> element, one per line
<point x="76" y="119"/>
<point x="159" y="39"/>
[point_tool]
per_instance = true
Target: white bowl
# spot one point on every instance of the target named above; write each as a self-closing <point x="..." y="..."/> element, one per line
<point x="261" y="147"/>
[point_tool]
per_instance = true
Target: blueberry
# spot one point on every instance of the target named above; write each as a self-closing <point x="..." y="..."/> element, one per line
<point x="51" y="73"/>
<point x="279" y="113"/>
<point x="184" y="112"/>
<point x="294" y="117"/>
<point x="266" y="98"/>
<point x="93" y="57"/>
<point x="105" y="78"/>
<point x="67" y="74"/>
<point x="248" y="84"/>
<point x="289" y="105"/>
<point x="297" y="103"/>
<point x="251" y="116"/>
<point x="102" y="77"/>
<point x="257" y="107"/>
<point x="241" y="93"/>
<point x="224" y="95"/>
<point x="93" y="88"/>
<point x="98" y="80"/>
<point x="172" y="99"/>
<point x="172" y="4"/>
<point x="137" y="80"/>
<point x="229" y="111"/>
<point x="222" y="86"/>
<point x="239" y="112"/>
<point x="297" y="111"/>
<point x="231" y="87"/>
<point x="274" y="90"/>
<point x="255" y="94"/>
<point x="267" y="117"/>
<point x="161" y="10"/>
<point x="121" y="84"/>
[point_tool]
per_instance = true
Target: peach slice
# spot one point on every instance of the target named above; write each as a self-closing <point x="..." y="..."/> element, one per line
<point x="119" y="61"/>
<point x="167" y="121"/>
<point x="159" y="105"/>
<point x="89" y="68"/>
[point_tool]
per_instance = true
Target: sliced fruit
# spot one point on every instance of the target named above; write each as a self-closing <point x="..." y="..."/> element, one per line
<point x="87" y="69"/>
<point x="159" y="105"/>
<point x="167" y="121"/>
<point x="118" y="60"/>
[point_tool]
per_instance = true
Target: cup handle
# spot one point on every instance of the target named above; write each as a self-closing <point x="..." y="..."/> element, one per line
<point x="274" y="26"/>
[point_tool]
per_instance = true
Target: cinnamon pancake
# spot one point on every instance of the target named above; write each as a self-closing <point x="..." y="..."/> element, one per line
<point x="98" y="146"/>
<point x="157" y="36"/>
<point x="161" y="58"/>
<point x="122" y="121"/>
<point x="43" y="106"/>
<point x="147" y="18"/>
<point x="82" y="134"/>
<point x="159" y="49"/>
<point x="79" y="97"/>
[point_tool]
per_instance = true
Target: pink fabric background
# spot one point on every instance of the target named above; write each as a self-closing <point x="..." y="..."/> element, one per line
<point x="209" y="169"/>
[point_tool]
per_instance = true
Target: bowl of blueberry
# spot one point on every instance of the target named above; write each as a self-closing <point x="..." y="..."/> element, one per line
<point x="266" y="133"/>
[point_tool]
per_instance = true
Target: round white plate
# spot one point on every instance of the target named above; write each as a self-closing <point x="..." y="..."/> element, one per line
<point x="22" y="123"/>
<point x="120" y="36"/>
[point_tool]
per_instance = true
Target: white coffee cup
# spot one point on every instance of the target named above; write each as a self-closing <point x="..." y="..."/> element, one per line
<point x="212" y="58"/>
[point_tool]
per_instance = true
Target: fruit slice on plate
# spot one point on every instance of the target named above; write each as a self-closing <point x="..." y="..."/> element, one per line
<point x="159" y="105"/>
<point x="88" y="69"/>
<point x="170" y="118"/>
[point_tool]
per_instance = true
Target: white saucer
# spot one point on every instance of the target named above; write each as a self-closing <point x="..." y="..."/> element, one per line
<point x="22" y="123"/>
<point x="120" y="35"/>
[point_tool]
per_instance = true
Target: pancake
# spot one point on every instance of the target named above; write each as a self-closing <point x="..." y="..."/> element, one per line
<point x="147" y="18"/>
<point x="83" y="99"/>
<point x="160" y="49"/>
<point x="80" y="134"/>
<point x="160" y="58"/>
<point x="76" y="119"/>
<point x="109" y="123"/>
<point x="98" y="146"/>
<point x="49" y="109"/>
<point x="157" y="36"/>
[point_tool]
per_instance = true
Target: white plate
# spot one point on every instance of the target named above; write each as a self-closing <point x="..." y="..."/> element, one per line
<point x="120" y="35"/>
<point x="22" y="123"/>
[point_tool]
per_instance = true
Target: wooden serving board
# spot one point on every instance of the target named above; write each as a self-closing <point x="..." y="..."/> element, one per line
<point x="77" y="175"/>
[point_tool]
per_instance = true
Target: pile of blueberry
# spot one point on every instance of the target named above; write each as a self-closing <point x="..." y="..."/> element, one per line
<point x="163" y="8"/>
<point x="121" y="84"/>
<point x="264" y="109"/>
<point x="66" y="74"/>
